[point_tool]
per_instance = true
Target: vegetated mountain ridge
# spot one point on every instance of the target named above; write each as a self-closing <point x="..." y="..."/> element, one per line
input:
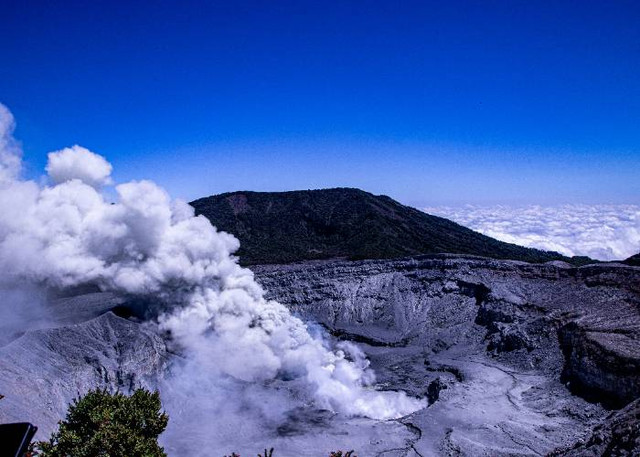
<point x="284" y="227"/>
<point x="634" y="260"/>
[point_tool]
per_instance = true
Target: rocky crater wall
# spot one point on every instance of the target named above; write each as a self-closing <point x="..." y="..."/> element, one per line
<point x="581" y="325"/>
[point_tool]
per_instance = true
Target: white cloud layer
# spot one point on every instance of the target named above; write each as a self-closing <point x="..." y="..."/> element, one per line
<point x="603" y="232"/>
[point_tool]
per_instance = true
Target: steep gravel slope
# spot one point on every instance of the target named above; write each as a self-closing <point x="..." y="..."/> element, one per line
<point x="42" y="371"/>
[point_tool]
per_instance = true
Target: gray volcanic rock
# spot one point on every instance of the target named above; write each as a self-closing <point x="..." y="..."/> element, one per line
<point x="42" y="371"/>
<point x="602" y="365"/>
<point x="617" y="435"/>
<point x="504" y="338"/>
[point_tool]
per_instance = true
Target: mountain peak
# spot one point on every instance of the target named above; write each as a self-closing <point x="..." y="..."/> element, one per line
<point x="282" y="227"/>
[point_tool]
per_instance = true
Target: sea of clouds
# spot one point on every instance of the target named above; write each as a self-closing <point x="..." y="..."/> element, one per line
<point x="603" y="232"/>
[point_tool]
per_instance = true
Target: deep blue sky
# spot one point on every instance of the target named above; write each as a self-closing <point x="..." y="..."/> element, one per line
<point x="429" y="102"/>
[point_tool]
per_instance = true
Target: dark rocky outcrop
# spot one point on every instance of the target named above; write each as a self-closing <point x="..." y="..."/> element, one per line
<point x="602" y="365"/>
<point x="283" y="227"/>
<point x="618" y="435"/>
<point x="433" y="390"/>
<point x="633" y="260"/>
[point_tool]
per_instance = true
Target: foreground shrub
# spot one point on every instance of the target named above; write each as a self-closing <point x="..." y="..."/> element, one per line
<point x="101" y="424"/>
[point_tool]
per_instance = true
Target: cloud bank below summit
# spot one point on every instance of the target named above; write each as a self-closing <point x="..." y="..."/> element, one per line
<point x="603" y="232"/>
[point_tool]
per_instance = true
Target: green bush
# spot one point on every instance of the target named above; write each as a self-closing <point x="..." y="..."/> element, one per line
<point x="101" y="424"/>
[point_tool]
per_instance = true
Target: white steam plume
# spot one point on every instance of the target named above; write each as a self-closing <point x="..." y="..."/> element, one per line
<point x="79" y="163"/>
<point x="10" y="152"/>
<point x="146" y="245"/>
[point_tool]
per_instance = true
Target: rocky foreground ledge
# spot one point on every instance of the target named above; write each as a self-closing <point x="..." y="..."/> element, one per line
<point x="513" y="358"/>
